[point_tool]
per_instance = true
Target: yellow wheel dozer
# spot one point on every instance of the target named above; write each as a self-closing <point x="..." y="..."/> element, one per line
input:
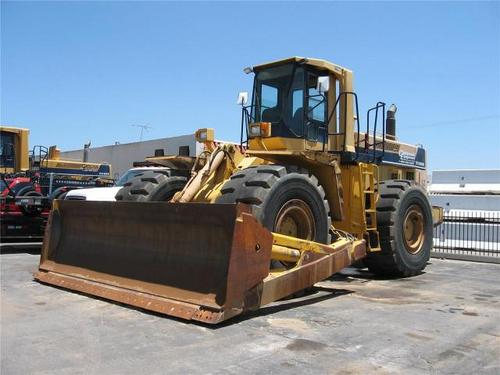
<point x="254" y="224"/>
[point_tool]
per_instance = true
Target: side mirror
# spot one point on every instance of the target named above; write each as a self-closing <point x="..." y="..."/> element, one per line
<point x="242" y="98"/>
<point x="323" y="84"/>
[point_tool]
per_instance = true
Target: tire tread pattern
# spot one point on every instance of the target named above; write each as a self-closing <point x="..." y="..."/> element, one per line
<point x="388" y="262"/>
<point x="252" y="185"/>
<point x="145" y="185"/>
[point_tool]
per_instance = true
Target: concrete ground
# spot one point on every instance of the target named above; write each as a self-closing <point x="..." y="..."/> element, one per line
<point x="445" y="321"/>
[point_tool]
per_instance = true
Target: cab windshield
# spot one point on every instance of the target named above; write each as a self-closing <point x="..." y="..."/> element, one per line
<point x="286" y="96"/>
<point x="278" y="99"/>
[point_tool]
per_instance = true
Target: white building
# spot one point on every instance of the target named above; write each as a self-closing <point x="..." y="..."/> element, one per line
<point x="121" y="156"/>
<point x="468" y="189"/>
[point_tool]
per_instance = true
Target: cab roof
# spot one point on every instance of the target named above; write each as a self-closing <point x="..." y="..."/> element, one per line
<point x="317" y="63"/>
<point x="12" y="129"/>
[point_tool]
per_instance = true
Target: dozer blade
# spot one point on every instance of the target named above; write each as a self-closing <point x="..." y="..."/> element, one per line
<point x="205" y="262"/>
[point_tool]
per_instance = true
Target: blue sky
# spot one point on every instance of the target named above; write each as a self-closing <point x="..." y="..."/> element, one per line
<point x="73" y="71"/>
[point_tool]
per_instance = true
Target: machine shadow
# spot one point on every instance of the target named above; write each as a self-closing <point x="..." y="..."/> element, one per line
<point x="352" y="273"/>
<point x="285" y="304"/>
<point x="309" y="297"/>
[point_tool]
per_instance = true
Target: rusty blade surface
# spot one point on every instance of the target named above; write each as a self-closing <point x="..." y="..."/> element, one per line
<point x="194" y="261"/>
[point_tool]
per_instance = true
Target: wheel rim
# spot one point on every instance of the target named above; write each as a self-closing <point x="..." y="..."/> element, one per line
<point x="413" y="229"/>
<point x="296" y="219"/>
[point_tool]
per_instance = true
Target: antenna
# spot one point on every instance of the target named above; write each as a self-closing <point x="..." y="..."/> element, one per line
<point x="143" y="127"/>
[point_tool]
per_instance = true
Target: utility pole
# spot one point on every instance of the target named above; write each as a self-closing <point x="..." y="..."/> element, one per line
<point x="143" y="127"/>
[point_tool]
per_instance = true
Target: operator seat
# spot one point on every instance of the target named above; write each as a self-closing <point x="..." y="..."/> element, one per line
<point x="270" y="115"/>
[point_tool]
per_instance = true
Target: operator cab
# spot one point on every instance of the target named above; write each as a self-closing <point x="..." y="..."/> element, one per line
<point x="289" y="97"/>
<point x="301" y="104"/>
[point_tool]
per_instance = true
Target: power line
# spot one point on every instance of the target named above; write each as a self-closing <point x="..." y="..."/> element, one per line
<point x="453" y="122"/>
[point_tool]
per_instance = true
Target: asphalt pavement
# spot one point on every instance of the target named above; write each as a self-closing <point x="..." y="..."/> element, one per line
<point x="444" y="321"/>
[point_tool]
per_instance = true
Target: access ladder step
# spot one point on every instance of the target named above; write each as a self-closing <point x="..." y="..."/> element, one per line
<point x="374" y="239"/>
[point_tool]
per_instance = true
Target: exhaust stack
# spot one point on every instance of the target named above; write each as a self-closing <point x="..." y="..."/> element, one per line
<point x="86" y="147"/>
<point x="390" y="122"/>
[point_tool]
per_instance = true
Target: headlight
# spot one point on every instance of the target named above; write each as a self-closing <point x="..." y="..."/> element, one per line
<point x="204" y="135"/>
<point x="254" y="130"/>
<point x="259" y="129"/>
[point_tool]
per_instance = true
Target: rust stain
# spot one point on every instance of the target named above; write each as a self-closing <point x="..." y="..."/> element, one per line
<point x="191" y="261"/>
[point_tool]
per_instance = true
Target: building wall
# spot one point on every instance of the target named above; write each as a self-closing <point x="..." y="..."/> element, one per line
<point x="122" y="156"/>
<point x="479" y="181"/>
<point x="466" y="176"/>
<point x="469" y="202"/>
<point x="469" y="190"/>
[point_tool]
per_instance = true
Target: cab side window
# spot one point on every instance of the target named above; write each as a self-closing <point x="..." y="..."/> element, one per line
<point x="317" y="116"/>
<point x="269" y="108"/>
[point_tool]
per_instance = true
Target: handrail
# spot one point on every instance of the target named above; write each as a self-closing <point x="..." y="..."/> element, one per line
<point x="367" y="134"/>
<point x="334" y="109"/>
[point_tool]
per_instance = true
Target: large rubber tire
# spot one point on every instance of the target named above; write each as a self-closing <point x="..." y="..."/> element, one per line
<point x="60" y="193"/>
<point x="402" y="204"/>
<point x="151" y="186"/>
<point x="268" y="188"/>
